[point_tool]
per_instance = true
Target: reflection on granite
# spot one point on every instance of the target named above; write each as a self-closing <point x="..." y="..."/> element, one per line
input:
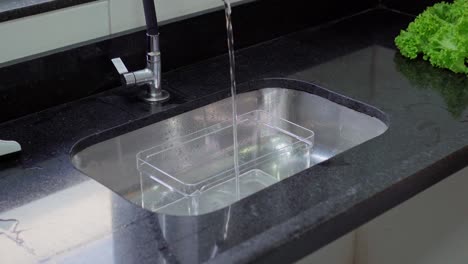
<point x="53" y="213"/>
<point x="13" y="9"/>
<point x="451" y="86"/>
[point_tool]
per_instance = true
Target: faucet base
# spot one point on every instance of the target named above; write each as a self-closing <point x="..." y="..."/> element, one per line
<point x="155" y="98"/>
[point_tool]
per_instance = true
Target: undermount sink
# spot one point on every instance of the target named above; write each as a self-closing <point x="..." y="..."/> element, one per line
<point x="115" y="162"/>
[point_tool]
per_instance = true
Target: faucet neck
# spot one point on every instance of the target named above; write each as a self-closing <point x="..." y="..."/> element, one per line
<point x="153" y="43"/>
<point x="149" y="77"/>
<point x="150" y="17"/>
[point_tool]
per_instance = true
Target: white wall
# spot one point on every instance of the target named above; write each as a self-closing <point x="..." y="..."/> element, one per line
<point x="43" y="32"/>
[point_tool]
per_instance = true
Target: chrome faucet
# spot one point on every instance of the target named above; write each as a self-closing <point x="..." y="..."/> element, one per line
<point x="150" y="77"/>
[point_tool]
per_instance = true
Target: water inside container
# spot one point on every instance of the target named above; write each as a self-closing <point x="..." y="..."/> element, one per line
<point x="201" y="165"/>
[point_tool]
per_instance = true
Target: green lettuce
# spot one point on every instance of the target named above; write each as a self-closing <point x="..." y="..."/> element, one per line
<point x="440" y="35"/>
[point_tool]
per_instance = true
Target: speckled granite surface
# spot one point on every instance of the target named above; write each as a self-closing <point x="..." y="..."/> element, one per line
<point x="50" y="212"/>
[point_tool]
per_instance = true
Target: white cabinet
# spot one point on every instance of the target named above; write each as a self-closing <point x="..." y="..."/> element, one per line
<point x="340" y="251"/>
<point x="40" y="33"/>
<point x="431" y="228"/>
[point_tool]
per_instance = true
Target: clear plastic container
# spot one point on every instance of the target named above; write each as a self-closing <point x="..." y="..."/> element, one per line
<point x="203" y="161"/>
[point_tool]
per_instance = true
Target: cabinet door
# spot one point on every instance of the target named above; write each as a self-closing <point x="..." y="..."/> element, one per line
<point x="340" y="251"/>
<point x="431" y="228"/>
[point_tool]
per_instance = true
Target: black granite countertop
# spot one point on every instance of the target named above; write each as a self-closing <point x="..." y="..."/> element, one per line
<point x="51" y="212"/>
<point x="13" y="9"/>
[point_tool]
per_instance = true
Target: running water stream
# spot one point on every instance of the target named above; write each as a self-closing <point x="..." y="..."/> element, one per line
<point x="232" y="71"/>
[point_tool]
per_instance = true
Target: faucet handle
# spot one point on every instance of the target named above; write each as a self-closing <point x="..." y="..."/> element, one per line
<point x="128" y="78"/>
<point x="119" y="65"/>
